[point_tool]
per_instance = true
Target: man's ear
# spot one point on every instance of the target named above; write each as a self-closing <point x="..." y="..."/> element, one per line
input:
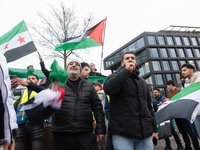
<point x="122" y="64"/>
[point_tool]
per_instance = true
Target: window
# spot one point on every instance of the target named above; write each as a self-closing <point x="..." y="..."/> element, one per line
<point x="159" y="79"/>
<point x="156" y="65"/>
<point x="154" y="52"/>
<point x="182" y="62"/>
<point x="141" y="71"/>
<point x="170" y="40"/>
<point x="152" y="40"/>
<point x="172" y="52"/>
<point x="141" y="57"/>
<point x="166" y="65"/>
<point x="198" y="64"/>
<point x="192" y="63"/>
<point x="186" y="40"/>
<point x="180" y="52"/>
<point x="132" y="47"/>
<point x="196" y="53"/>
<point x="140" y="43"/>
<point x="149" y="80"/>
<point x="161" y="40"/>
<point x="177" y="75"/>
<point x="194" y="41"/>
<point x="178" y="41"/>
<point x="163" y="52"/>
<point x="189" y="52"/>
<point x="168" y="77"/>
<point x="175" y="65"/>
<point x="146" y="67"/>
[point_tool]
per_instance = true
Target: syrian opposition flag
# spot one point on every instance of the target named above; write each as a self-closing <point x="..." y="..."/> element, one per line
<point x="184" y="104"/>
<point x="17" y="43"/>
<point x="91" y="38"/>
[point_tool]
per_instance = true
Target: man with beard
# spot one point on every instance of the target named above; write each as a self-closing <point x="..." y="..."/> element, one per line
<point x="72" y="123"/>
<point x="132" y="119"/>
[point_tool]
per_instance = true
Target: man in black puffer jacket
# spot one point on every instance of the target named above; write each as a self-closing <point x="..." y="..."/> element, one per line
<point x="132" y="120"/>
<point x="72" y="123"/>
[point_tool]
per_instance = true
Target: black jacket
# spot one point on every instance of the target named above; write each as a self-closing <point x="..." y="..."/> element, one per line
<point x="75" y="115"/>
<point x="130" y="105"/>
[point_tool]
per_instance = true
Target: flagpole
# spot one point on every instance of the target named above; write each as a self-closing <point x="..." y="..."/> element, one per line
<point x="31" y="38"/>
<point x="103" y="45"/>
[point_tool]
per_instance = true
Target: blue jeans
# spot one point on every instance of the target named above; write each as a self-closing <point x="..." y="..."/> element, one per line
<point x="29" y="137"/>
<point x="126" y="143"/>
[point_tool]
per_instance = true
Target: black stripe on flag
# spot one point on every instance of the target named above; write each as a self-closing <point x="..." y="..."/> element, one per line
<point x="19" y="52"/>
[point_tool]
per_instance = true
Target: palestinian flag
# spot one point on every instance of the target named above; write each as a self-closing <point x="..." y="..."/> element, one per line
<point x="17" y="43"/>
<point x="91" y="38"/>
<point x="184" y="104"/>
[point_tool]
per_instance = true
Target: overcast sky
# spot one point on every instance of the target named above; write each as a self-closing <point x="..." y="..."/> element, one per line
<point x="125" y="20"/>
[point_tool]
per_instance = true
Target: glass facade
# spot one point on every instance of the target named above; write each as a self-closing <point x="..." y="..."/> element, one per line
<point x="175" y="65"/>
<point x="198" y="64"/>
<point x="180" y="52"/>
<point x="170" y="40"/>
<point x="166" y="65"/>
<point x="172" y="52"/>
<point x="196" y="53"/>
<point x="186" y="40"/>
<point x="161" y="40"/>
<point x="141" y="57"/>
<point x="156" y="65"/>
<point x="194" y="41"/>
<point x="163" y="52"/>
<point x="144" y="69"/>
<point x="178" y="41"/>
<point x="159" y="79"/>
<point x="168" y="77"/>
<point x="154" y="52"/>
<point x="152" y="40"/>
<point x="182" y="62"/>
<point x="189" y="52"/>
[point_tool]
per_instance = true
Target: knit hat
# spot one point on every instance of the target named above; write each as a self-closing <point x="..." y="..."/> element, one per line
<point x="74" y="60"/>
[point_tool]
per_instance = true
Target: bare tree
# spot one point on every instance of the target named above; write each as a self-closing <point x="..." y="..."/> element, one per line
<point x="60" y="25"/>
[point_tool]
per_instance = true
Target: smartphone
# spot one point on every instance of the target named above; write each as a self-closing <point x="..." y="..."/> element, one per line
<point x="155" y="141"/>
<point x="12" y="77"/>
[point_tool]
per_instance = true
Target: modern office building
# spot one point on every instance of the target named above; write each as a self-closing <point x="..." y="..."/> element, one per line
<point x="161" y="54"/>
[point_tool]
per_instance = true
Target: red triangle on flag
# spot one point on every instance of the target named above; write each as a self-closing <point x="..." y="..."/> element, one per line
<point x="97" y="33"/>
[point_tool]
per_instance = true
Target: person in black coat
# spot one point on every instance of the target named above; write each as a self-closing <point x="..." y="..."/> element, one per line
<point x="72" y="123"/>
<point x="132" y="119"/>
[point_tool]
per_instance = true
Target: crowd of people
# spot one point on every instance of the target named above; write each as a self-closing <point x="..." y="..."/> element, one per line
<point x="119" y="114"/>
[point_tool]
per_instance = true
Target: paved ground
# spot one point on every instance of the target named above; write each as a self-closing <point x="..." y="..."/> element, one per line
<point x="160" y="146"/>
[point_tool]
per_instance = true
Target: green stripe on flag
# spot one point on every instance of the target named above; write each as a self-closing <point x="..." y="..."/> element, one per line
<point x="21" y="27"/>
<point x="85" y="43"/>
<point x="186" y="91"/>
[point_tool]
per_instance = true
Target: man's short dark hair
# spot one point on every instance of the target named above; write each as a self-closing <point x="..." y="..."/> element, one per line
<point x="34" y="75"/>
<point x="29" y="66"/>
<point x="129" y="52"/>
<point x="170" y="82"/>
<point x="156" y="89"/>
<point x="83" y="64"/>
<point x="188" y="66"/>
<point x="92" y="63"/>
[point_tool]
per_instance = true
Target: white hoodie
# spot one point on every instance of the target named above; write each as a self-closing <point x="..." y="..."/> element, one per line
<point x="9" y="112"/>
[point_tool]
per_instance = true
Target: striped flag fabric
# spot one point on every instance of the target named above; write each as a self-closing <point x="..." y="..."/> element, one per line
<point x="17" y="43"/>
<point x="184" y="104"/>
<point x="91" y="38"/>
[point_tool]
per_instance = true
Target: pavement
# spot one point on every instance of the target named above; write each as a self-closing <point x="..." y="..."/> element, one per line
<point x="160" y="146"/>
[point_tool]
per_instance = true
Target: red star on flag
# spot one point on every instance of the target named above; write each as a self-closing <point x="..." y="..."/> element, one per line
<point x="6" y="47"/>
<point x="21" y="39"/>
